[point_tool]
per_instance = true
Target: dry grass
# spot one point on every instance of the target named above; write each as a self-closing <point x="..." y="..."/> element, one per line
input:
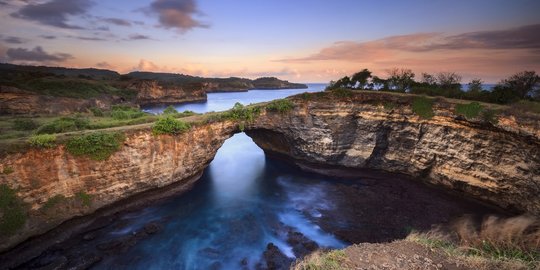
<point x="322" y="260"/>
<point x="496" y="243"/>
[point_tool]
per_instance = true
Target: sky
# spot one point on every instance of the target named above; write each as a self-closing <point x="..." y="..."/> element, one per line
<point x="296" y="40"/>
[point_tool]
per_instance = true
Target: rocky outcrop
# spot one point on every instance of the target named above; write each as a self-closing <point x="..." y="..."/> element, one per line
<point x="499" y="164"/>
<point x="145" y="162"/>
<point x="151" y="92"/>
<point x="16" y="101"/>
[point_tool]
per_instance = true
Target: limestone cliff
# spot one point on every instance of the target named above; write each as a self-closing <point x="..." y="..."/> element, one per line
<point x="499" y="164"/>
<point x="144" y="162"/>
<point x="151" y="92"/>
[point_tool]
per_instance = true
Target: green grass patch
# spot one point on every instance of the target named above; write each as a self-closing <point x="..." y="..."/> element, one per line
<point x="64" y="124"/>
<point x="470" y="110"/>
<point x="12" y="210"/>
<point x="280" y="105"/>
<point x="7" y="170"/>
<point x="97" y="112"/>
<point x="97" y="146"/>
<point x="423" y="107"/>
<point x="84" y="198"/>
<point x="169" y="125"/>
<point x="388" y="106"/>
<point x="24" y="124"/>
<point x="329" y="260"/>
<point x="120" y="112"/>
<point x="240" y="112"/>
<point x="53" y="201"/>
<point x="42" y="140"/>
<point x="490" y="116"/>
<point x="342" y="93"/>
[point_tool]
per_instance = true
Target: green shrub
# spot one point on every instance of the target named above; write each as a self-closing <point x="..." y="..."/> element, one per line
<point x="53" y="201"/>
<point x="240" y="112"/>
<point x="423" y="107"/>
<point x="85" y="198"/>
<point x="64" y="124"/>
<point x="97" y="146"/>
<point x="169" y="125"/>
<point x="280" y="105"/>
<point x="124" y="112"/>
<point x="42" y="140"/>
<point x="470" y="110"/>
<point x="342" y="93"/>
<point x="12" y="211"/>
<point x="170" y="110"/>
<point x="24" y="124"/>
<point x="388" y="106"/>
<point x="490" y="116"/>
<point x="7" y="170"/>
<point x="97" y="112"/>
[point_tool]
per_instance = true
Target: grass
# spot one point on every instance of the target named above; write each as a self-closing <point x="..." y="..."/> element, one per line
<point x="96" y="146"/>
<point x="7" y="170"/>
<point x="513" y="240"/>
<point x="490" y="116"/>
<point x="423" y="107"/>
<point x="42" y="140"/>
<point x="24" y="124"/>
<point x="470" y="110"/>
<point x="280" y="105"/>
<point x="388" y="106"/>
<point x="169" y="125"/>
<point x="170" y="110"/>
<point x="64" y="124"/>
<point x="329" y="260"/>
<point x="120" y="112"/>
<point x="12" y="210"/>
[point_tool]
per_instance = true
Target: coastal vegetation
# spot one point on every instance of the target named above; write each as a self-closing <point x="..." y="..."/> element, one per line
<point x="42" y="140"/>
<point x="169" y="125"/>
<point x="12" y="210"/>
<point x="280" y="105"/>
<point x="96" y="146"/>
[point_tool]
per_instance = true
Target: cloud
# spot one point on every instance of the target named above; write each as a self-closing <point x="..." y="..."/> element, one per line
<point x="87" y="38"/>
<point x="178" y="14"/>
<point x="525" y="37"/>
<point x="36" y="55"/>
<point x="13" y="40"/>
<point x="138" y="37"/>
<point x="116" y="21"/>
<point x="54" y="13"/>
<point x="48" y="37"/>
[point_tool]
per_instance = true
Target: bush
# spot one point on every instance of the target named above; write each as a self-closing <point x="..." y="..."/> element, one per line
<point x="64" y="124"/>
<point x="42" y="140"/>
<point x="470" y="110"/>
<point x="53" y="201"/>
<point x="97" y="112"/>
<point x="7" y="170"/>
<point x="124" y="112"/>
<point x="240" y="112"/>
<point x="342" y="93"/>
<point x="423" y="107"/>
<point x="169" y="125"/>
<point x="388" y="106"/>
<point x="280" y="105"/>
<point x="490" y="116"/>
<point x="85" y="198"/>
<point x="24" y="124"/>
<point x="170" y="110"/>
<point x="97" y="146"/>
<point x="12" y="211"/>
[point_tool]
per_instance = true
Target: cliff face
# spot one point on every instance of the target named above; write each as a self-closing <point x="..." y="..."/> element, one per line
<point x="16" y="101"/>
<point x="150" y="92"/>
<point x="144" y="162"/>
<point x="499" y="164"/>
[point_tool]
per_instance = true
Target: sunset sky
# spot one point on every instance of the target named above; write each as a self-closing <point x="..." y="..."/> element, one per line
<point x="297" y="40"/>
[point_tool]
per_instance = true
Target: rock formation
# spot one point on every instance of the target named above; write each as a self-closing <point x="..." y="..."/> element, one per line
<point x="151" y="92"/>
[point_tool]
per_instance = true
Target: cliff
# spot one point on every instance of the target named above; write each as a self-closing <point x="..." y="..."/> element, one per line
<point x="143" y="163"/>
<point x="151" y="92"/>
<point x="499" y="163"/>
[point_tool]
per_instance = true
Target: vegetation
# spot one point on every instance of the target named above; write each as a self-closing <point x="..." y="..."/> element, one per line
<point x="97" y="112"/>
<point x="12" y="211"/>
<point x="53" y="201"/>
<point x="490" y="116"/>
<point x="170" y="110"/>
<point x="7" y="170"/>
<point x="514" y="239"/>
<point x="522" y="86"/>
<point x="24" y="124"/>
<point x="470" y="110"/>
<point x="388" y="106"/>
<point x="240" y="112"/>
<point x="122" y="112"/>
<point x="280" y="105"/>
<point x="330" y="260"/>
<point x="42" y="140"/>
<point x="169" y="125"/>
<point x="423" y="107"/>
<point x="64" y="124"/>
<point x="97" y="145"/>
<point x="85" y="198"/>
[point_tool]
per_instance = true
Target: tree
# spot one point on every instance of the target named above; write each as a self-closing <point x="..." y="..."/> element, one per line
<point x="400" y="79"/>
<point x="361" y="79"/>
<point x="524" y="84"/>
<point x="449" y="80"/>
<point x="429" y="79"/>
<point x="475" y="86"/>
<point x="379" y="83"/>
<point x="170" y="110"/>
<point x="344" y="82"/>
